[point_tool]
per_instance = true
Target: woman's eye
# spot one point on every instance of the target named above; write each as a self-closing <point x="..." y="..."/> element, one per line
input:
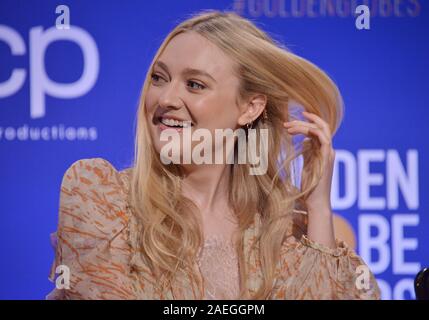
<point x="192" y="84"/>
<point x="155" y="77"/>
<point x="198" y="86"/>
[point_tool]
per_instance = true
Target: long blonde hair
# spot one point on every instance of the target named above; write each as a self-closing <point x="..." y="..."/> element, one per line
<point x="169" y="233"/>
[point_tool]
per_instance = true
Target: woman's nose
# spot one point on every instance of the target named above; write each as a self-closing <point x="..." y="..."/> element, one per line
<point x="171" y="96"/>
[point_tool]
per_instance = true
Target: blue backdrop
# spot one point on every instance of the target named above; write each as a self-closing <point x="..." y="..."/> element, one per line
<point x="45" y="125"/>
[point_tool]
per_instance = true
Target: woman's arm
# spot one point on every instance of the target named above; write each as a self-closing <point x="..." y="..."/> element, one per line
<point x="320" y="223"/>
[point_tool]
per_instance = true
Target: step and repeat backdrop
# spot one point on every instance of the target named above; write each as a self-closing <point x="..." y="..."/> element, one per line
<point x="72" y="93"/>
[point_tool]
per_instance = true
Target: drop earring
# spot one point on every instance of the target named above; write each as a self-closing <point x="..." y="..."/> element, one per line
<point x="265" y="115"/>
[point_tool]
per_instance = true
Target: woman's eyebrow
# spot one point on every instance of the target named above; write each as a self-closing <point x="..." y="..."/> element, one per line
<point x="186" y="71"/>
<point x="192" y="71"/>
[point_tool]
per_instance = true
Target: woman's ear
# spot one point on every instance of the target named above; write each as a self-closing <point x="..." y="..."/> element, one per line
<point x="252" y="109"/>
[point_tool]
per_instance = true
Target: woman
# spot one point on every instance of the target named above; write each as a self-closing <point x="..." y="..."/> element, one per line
<point x="191" y="230"/>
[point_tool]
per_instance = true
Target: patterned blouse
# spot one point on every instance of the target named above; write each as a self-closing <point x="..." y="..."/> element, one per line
<point x="97" y="236"/>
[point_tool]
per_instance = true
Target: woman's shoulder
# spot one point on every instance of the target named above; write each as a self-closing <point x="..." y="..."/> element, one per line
<point x="93" y="195"/>
<point x="93" y="229"/>
<point x="95" y="172"/>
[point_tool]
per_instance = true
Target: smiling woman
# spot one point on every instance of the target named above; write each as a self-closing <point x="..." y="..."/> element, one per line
<point x="214" y="231"/>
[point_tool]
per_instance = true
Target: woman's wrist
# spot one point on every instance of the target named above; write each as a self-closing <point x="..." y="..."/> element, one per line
<point x="320" y="227"/>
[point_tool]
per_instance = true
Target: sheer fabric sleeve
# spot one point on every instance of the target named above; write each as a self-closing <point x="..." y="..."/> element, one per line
<point x="309" y="270"/>
<point x="91" y="235"/>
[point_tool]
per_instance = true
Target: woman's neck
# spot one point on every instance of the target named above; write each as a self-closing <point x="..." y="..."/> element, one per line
<point x="207" y="186"/>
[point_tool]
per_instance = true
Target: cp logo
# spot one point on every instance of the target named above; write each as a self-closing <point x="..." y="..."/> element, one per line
<point x="40" y="84"/>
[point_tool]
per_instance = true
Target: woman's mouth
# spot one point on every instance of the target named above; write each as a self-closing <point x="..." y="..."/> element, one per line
<point x="170" y="123"/>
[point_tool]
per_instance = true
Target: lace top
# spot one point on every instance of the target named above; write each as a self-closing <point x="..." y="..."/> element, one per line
<point x="97" y="239"/>
<point x="218" y="262"/>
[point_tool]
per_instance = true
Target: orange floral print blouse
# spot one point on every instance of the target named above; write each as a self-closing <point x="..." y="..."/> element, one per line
<point x="97" y="241"/>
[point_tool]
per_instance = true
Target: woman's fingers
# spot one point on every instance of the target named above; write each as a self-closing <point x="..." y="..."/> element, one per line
<point x="321" y="135"/>
<point x="317" y="127"/>
<point x="319" y="121"/>
<point x="308" y="130"/>
<point x="300" y="122"/>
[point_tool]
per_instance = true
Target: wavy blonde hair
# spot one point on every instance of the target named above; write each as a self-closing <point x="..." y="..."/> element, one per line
<point x="169" y="230"/>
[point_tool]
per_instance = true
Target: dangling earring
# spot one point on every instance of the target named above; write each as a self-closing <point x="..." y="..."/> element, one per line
<point x="265" y="115"/>
<point x="249" y="125"/>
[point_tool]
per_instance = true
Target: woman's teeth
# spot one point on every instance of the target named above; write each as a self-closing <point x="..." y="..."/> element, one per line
<point x="175" y="123"/>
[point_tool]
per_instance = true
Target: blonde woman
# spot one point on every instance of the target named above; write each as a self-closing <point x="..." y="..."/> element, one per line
<point x="214" y="230"/>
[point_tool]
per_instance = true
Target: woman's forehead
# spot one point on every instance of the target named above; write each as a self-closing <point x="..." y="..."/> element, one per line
<point x="193" y="51"/>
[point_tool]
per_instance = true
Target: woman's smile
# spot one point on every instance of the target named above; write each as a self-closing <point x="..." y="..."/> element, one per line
<point x="172" y="122"/>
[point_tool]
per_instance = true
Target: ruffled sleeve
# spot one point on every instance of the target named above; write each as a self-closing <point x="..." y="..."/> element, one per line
<point x="309" y="270"/>
<point x="91" y="238"/>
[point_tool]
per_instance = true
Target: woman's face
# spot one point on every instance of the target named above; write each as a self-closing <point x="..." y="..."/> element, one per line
<point x="193" y="81"/>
